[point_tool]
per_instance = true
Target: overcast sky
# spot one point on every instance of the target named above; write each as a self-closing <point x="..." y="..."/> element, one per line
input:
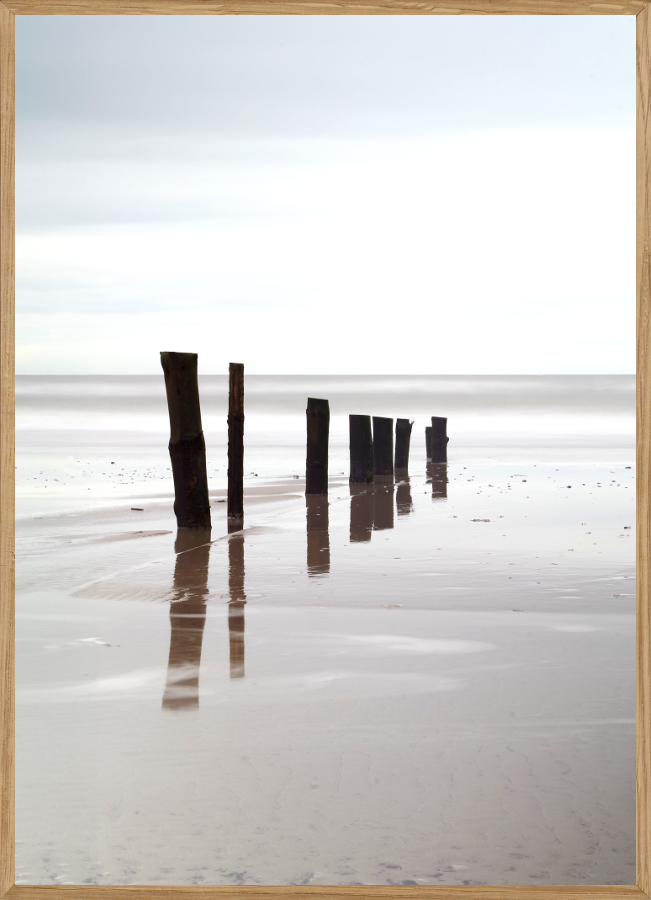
<point x="339" y="194"/>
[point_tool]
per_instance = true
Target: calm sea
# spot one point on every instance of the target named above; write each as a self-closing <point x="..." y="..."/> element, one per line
<point x="70" y="428"/>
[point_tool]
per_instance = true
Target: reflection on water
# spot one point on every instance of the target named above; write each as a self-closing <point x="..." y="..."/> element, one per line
<point x="318" y="538"/>
<point x="362" y="512"/>
<point x="234" y="524"/>
<point x="404" y="502"/>
<point x="437" y="476"/>
<point x="363" y="670"/>
<point x="236" y="604"/>
<point x="187" y="618"/>
<point x="383" y="507"/>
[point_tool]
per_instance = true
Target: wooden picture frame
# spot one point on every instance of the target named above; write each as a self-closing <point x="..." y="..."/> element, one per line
<point x="639" y="8"/>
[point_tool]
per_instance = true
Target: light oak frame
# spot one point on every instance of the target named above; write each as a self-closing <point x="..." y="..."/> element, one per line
<point x="11" y="8"/>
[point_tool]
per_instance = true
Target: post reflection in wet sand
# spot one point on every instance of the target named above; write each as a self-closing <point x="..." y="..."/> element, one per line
<point x="362" y="512"/>
<point x="404" y="502"/>
<point x="383" y="506"/>
<point x="236" y="604"/>
<point x="318" y="538"/>
<point x="187" y="618"/>
<point x="437" y="476"/>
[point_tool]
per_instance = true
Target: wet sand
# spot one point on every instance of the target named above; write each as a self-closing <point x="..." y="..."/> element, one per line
<point x="430" y="682"/>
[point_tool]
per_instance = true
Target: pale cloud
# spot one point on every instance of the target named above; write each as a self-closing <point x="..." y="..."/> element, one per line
<point x="418" y="246"/>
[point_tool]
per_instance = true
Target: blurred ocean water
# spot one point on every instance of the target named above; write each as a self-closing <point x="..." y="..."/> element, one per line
<point x="575" y="405"/>
<point x="70" y="428"/>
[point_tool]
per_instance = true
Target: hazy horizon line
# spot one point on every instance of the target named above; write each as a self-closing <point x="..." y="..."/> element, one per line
<point x="337" y="374"/>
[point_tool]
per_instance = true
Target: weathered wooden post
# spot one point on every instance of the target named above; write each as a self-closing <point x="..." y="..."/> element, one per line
<point x="187" y="446"/>
<point x="235" y="446"/>
<point x="361" y="450"/>
<point x="383" y="448"/>
<point x="428" y="443"/>
<point x="439" y="440"/>
<point x="318" y="428"/>
<point x="403" y="438"/>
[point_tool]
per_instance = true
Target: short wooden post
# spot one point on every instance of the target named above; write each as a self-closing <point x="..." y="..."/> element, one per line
<point x="383" y="448"/>
<point x="187" y="446"/>
<point x="361" y="450"/>
<point x="235" y="446"/>
<point x="439" y="440"/>
<point x="316" y="464"/>
<point x="428" y="443"/>
<point x="403" y="438"/>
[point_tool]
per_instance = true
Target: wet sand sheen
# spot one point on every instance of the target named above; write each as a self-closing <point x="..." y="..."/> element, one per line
<point x="430" y="681"/>
<point x="379" y="673"/>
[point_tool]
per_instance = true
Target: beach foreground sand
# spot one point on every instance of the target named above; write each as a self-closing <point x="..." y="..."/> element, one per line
<point x="427" y="683"/>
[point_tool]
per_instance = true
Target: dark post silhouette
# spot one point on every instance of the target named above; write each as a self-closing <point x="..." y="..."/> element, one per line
<point x="439" y="440"/>
<point x="187" y="446"/>
<point x="361" y="450"/>
<point x="235" y="446"/>
<point x="318" y="537"/>
<point x="362" y="512"/>
<point x="383" y="448"/>
<point x="318" y="428"/>
<point x="236" y="604"/>
<point x="428" y="442"/>
<point x="187" y="619"/>
<point x="403" y="438"/>
<point x="383" y="507"/>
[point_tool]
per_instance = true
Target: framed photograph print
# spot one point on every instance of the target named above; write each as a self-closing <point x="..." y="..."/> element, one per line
<point x="324" y="449"/>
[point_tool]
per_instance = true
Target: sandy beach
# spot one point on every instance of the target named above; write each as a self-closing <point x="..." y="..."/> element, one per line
<point x="430" y="682"/>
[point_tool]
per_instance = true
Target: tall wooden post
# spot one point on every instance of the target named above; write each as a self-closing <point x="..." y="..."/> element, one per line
<point x="403" y="438"/>
<point x="361" y="450"/>
<point x="428" y="443"/>
<point x="235" y="446"/>
<point x="383" y="448"/>
<point x="187" y="446"/>
<point x="439" y="440"/>
<point x="318" y="429"/>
